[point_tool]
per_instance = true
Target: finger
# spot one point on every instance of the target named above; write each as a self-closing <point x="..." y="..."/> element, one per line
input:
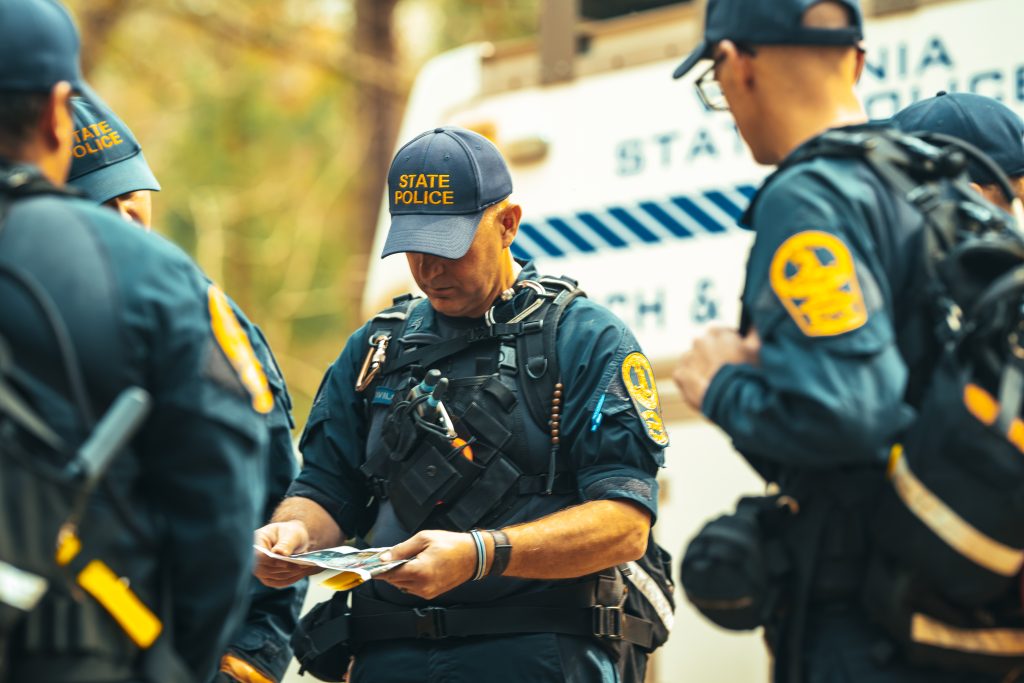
<point x="290" y="571"/>
<point x="265" y="537"/>
<point x="414" y="546"/>
<point x="278" y="583"/>
<point x="290" y="540"/>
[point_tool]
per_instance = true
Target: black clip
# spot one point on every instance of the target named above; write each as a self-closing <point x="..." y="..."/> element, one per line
<point x="431" y="623"/>
<point x="608" y="622"/>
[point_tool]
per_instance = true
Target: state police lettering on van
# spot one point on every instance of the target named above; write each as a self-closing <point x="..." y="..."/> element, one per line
<point x="668" y="149"/>
<point x="900" y="73"/>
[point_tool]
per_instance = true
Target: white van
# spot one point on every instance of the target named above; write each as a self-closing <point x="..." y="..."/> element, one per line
<point x="629" y="186"/>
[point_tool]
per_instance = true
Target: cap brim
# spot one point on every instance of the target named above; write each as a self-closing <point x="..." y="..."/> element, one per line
<point x="125" y="176"/>
<point x="702" y="52"/>
<point x="447" y="236"/>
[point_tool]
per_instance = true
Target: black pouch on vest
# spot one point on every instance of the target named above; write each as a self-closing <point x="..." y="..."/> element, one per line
<point x="321" y="639"/>
<point x="734" y="570"/>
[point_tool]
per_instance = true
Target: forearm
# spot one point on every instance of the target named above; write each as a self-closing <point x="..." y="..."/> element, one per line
<point x="845" y="417"/>
<point x="323" y="531"/>
<point x="577" y="541"/>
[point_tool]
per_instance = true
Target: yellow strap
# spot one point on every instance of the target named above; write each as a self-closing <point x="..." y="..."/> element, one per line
<point x="141" y="625"/>
<point x="985" y="409"/>
<point x="948" y="525"/>
<point x="68" y="547"/>
<point x="1003" y="642"/>
<point x="242" y="671"/>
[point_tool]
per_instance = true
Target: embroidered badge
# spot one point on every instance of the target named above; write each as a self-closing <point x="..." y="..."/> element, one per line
<point x="815" y="278"/>
<point x="236" y="347"/>
<point x="638" y="376"/>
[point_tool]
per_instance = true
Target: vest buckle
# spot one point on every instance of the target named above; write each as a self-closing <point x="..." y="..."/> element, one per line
<point x="431" y="623"/>
<point x="608" y="622"/>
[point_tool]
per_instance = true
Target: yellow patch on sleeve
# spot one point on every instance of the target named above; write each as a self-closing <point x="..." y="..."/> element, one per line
<point x="814" y="275"/>
<point x="235" y="344"/>
<point x="638" y="376"/>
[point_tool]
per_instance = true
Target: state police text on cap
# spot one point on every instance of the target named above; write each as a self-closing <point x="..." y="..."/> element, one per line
<point x="439" y="186"/>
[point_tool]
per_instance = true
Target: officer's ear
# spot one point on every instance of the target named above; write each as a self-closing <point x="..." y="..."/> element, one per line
<point x="861" y="61"/>
<point x="735" y="65"/>
<point x="509" y="219"/>
<point x="55" y="131"/>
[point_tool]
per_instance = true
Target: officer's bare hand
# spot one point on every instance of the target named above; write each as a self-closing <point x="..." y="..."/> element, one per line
<point x="718" y="346"/>
<point x="283" y="538"/>
<point x="442" y="561"/>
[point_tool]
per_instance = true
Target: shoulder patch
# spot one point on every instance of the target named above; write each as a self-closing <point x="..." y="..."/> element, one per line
<point x="236" y="347"/>
<point x="638" y="377"/>
<point x="814" y="275"/>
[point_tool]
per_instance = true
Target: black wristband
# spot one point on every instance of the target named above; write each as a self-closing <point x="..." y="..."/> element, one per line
<point x="502" y="552"/>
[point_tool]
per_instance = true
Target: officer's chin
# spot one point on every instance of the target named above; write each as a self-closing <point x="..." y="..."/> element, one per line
<point x="451" y="306"/>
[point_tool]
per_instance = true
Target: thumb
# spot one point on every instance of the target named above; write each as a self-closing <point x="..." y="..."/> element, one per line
<point x="403" y="551"/>
<point x="288" y="539"/>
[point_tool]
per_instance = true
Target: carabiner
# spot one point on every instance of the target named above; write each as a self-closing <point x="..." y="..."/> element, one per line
<point x="373" y="362"/>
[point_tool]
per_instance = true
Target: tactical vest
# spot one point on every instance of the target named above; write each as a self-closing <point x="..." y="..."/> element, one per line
<point x="504" y="399"/>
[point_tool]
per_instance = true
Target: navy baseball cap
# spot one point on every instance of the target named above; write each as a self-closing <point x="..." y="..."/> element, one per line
<point x="986" y="123"/>
<point x="439" y="186"/>
<point x="38" y="47"/>
<point x="106" y="159"/>
<point x="769" y="22"/>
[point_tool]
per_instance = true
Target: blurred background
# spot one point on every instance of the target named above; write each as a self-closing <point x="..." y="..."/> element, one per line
<point x="271" y="125"/>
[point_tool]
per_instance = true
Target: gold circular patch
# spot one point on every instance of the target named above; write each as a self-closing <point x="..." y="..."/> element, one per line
<point x="638" y="376"/>
<point x="815" y="277"/>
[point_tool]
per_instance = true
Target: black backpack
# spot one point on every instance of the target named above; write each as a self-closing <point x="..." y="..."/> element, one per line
<point x="949" y="530"/>
<point x="46" y="483"/>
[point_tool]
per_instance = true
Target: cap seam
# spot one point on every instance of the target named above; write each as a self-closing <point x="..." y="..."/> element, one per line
<point x="472" y="162"/>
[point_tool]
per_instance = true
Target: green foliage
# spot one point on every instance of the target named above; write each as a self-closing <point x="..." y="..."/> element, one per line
<point x="248" y="112"/>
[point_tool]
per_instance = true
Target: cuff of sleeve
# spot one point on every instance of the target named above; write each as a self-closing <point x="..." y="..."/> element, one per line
<point x="339" y="511"/>
<point x="719" y="387"/>
<point x="631" y="484"/>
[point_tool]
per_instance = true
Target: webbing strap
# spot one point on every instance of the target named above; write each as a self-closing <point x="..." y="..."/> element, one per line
<point x="428" y="355"/>
<point x="374" y="620"/>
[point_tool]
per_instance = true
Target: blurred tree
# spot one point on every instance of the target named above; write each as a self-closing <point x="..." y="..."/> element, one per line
<point x="271" y="125"/>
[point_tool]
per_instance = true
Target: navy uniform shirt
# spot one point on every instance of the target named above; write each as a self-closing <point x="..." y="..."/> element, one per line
<point x="833" y="275"/>
<point x="139" y="313"/>
<point x="262" y="640"/>
<point x="612" y="451"/>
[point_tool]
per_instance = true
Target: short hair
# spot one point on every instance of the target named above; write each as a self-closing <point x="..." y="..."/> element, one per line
<point x="828" y="14"/>
<point x="19" y="114"/>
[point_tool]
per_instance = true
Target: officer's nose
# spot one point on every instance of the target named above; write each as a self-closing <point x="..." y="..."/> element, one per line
<point x="431" y="267"/>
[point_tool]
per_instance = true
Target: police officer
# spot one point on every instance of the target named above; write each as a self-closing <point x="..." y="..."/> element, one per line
<point x="493" y="506"/>
<point x="987" y="124"/>
<point x="162" y="553"/>
<point x="109" y="167"/>
<point x="811" y="389"/>
<point x="108" y="164"/>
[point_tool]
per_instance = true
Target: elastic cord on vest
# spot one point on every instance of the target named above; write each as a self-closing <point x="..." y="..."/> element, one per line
<point x="481" y="554"/>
